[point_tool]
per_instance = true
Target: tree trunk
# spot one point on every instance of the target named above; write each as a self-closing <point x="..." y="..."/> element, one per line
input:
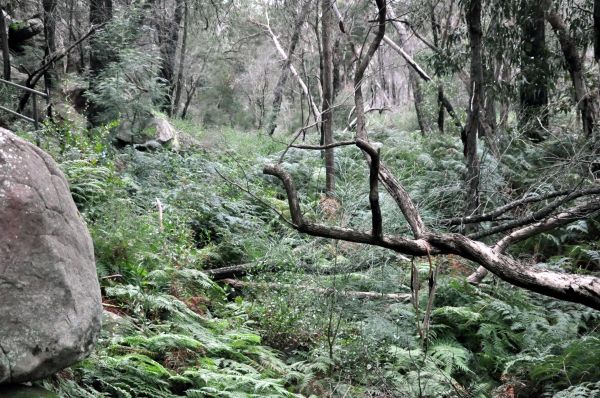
<point x="101" y="11"/>
<point x="190" y="96"/>
<point x="568" y="45"/>
<point x="413" y="78"/>
<point x="473" y="16"/>
<point x="535" y="71"/>
<point x="597" y="30"/>
<point x="327" y="113"/>
<point x="5" y="50"/>
<point x="168" y="37"/>
<point x="361" y="67"/>
<point x="180" y="76"/>
<point x="50" y="24"/>
<point x="50" y="43"/>
<point x="279" y="87"/>
<point x="336" y="67"/>
<point x="435" y="28"/>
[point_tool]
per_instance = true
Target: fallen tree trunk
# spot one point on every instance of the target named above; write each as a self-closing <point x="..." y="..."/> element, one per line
<point x="231" y="271"/>
<point x="351" y="293"/>
<point x="576" y="288"/>
<point x="236" y="271"/>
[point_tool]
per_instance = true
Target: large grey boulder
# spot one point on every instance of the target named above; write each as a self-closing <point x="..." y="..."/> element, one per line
<point x="157" y="131"/>
<point x="50" y="303"/>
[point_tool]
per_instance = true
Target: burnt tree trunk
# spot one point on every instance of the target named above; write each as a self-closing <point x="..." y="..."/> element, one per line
<point x="180" y="76"/>
<point x="49" y="44"/>
<point x="336" y="67"/>
<point x="435" y="27"/>
<point x="597" y="30"/>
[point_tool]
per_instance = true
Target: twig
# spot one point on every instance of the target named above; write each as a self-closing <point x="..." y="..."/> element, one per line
<point x="160" y="215"/>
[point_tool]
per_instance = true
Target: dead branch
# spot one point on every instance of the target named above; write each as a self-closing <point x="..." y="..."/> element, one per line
<point x="568" y="216"/>
<point x="359" y="295"/>
<point x="322" y="147"/>
<point x="496" y="213"/>
<point x="37" y="74"/>
<point x="582" y="289"/>
<point x="543" y="213"/>
<point x="409" y="60"/>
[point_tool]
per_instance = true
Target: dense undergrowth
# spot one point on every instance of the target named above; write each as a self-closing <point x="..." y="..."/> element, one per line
<point x="295" y="330"/>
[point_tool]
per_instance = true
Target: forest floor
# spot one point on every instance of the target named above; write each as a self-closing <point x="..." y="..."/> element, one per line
<point x="292" y="325"/>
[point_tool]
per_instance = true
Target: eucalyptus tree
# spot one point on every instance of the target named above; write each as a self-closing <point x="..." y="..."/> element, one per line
<point x="496" y="230"/>
<point x="168" y="16"/>
<point x="101" y="12"/>
<point x="281" y="82"/>
<point x="534" y="69"/>
<point x="327" y="83"/>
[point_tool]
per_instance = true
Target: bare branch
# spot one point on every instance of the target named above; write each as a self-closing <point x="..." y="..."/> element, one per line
<point x="361" y="131"/>
<point x="281" y="51"/>
<point x="582" y="289"/>
<point x="424" y="76"/>
<point x="544" y="212"/>
<point x="399" y="244"/>
<point x="460" y="73"/>
<point x="328" y="146"/>
<point x="256" y="197"/>
<point x="568" y="216"/>
<point x="493" y="215"/>
<point x="407" y="58"/>
<point x="291" y="144"/>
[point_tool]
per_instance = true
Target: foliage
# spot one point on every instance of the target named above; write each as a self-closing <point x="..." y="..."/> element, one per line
<point x="177" y="336"/>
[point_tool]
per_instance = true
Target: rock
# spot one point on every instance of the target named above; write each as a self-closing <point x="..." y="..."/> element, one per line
<point x="156" y="130"/>
<point x="20" y="391"/>
<point x="20" y="32"/>
<point x="75" y="94"/>
<point x="110" y="321"/>
<point x="68" y="115"/>
<point x="50" y="303"/>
